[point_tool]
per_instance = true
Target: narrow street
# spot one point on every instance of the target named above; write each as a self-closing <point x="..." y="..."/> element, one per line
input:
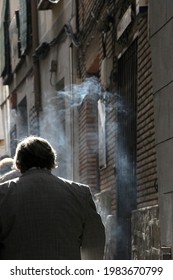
<point x="95" y="79"/>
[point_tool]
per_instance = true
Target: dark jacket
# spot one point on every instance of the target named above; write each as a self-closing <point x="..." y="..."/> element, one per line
<point x="46" y="217"/>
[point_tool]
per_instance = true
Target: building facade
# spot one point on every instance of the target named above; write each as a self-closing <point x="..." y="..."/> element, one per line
<point x="37" y="67"/>
<point x="162" y="58"/>
<point x="115" y="47"/>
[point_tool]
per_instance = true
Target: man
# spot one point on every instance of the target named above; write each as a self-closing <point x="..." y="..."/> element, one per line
<point x="6" y="164"/>
<point x="46" y="217"/>
<point x="6" y="170"/>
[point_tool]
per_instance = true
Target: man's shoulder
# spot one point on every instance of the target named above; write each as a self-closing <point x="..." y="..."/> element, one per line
<point x="73" y="184"/>
<point x="9" y="176"/>
<point x="7" y="187"/>
<point x="8" y="183"/>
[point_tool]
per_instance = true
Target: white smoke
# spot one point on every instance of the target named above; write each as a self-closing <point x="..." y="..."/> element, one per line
<point x="76" y="93"/>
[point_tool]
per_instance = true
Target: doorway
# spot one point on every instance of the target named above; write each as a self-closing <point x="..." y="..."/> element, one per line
<point x="126" y="163"/>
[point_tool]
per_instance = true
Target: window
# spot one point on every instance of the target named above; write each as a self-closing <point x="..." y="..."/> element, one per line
<point x="25" y="25"/>
<point x="126" y="151"/>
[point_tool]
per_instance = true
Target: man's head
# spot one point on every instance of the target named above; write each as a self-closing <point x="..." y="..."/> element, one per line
<point x="34" y="151"/>
<point x="6" y="165"/>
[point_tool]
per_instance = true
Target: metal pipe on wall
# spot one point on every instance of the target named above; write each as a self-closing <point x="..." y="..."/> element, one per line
<point x="72" y="109"/>
<point x="36" y="65"/>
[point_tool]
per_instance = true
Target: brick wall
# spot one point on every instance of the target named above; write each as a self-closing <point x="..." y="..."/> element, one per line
<point x="145" y="220"/>
<point x="100" y="180"/>
<point x="146" y="155"/>
<point x="33" y="121"/>
<point x="103" y="181"/>
<point x="88" y="154"/>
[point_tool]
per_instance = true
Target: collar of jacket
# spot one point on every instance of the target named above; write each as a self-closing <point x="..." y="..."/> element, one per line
<point x="35" y="170"/>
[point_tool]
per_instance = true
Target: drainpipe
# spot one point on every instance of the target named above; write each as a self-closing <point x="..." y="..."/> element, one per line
<point x="74" y="130"/>
<point x="36" y="66"/>
<point x="77" y="15"/>
<point x="71" y="109"/>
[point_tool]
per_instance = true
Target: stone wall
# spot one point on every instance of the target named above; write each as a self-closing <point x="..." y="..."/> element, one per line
<point x="146" y="234"/>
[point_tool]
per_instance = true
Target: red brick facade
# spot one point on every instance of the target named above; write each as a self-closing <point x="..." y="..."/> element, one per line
<point x="90" y="57"/>
<point x="147" y="194"/>
<point x="90" y="54"/>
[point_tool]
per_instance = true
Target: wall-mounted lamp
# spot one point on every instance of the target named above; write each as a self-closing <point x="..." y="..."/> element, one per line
<point x="46" y="4"/>
<point x="54" y="1"/>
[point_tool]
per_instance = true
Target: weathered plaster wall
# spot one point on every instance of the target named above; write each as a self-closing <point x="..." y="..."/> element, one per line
<point x="161" y="30"/>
